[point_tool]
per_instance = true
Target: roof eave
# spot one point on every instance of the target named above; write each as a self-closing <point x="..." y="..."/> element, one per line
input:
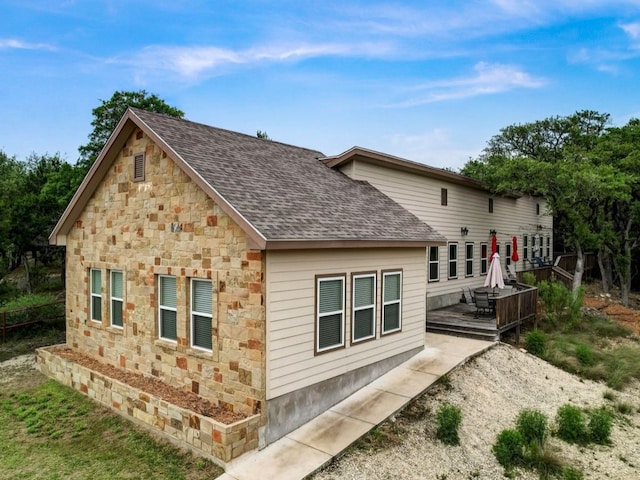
<point x="341" y="243"/>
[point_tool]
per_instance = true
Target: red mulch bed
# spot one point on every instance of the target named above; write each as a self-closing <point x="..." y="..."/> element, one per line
<point x="155" y="387"/>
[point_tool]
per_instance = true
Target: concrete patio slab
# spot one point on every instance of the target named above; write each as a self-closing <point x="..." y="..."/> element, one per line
<point x="310" y="447"/>
<point x="370" y="405"/>
<point x="331" y="432"/>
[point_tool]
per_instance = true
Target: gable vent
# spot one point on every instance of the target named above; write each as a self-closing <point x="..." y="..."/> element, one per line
<point x="138" y="168"/>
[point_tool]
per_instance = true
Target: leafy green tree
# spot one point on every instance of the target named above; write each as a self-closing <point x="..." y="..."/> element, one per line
<point x="550" y="158"/>
<point x="107" y="115"/>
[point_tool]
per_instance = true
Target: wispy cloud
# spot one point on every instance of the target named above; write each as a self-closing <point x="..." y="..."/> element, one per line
<point x="435" y="147"/>
<point x="633" y="31"/>
<point x="15" y="44"/>
<point x="192" y="63"/>
<point x="487" y="79"/>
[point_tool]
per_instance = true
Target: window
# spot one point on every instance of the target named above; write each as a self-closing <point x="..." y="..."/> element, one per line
<point x="117" y="295"/>
<point x="534" y="248"/>
<point x="525" y="247"/>
<point x="434" y="264"/>
<point x="507" y="254"/>
<point x="453" y="260"/>
<point x="138" y="168"/>
<point x="537" y="209"/>
<point x="391" y="302"/>
<point x="167" y="308"/>
<point x="548" y="247"/>
<point x="364" y="307"/>
<point x="484" y="254"/>
<point x="330" y="313"/>
<point x="96" y="295"/>
<point x="443" y="197"/>
<point x="201" y="314"/>
<point x="491" y="205"/>
<point x="468" y="269"/>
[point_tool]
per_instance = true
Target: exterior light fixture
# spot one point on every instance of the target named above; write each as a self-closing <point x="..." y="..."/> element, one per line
<point x="492" y="232"/>
<point x="464" y="231"/>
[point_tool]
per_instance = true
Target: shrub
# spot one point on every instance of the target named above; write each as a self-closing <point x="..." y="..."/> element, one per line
<point x="600" y="425"/>
<point x="532" y="425"/>
<point x="571" y="473"/>
<point x="544" y="460"/>
<point x="529" y="278"/>
<point x="535" y="342"/>
<point x="448" y="417"/>
<point x="584" y="354"/>
<point x="571" y="424"/>
<point x="509" y="448"/>
<point x="562" y="307"/>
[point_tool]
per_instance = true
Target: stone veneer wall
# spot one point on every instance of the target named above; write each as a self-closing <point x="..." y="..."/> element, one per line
<point x="167" y="225"/>
<point x="202" y="435"/>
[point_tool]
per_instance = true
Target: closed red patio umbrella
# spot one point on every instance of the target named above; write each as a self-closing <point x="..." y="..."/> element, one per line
<point x="494" y="246"/>
<point x="514" y="255"/>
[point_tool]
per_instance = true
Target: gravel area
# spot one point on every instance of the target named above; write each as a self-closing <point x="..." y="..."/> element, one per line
<point x="17" y="366"/>
<point x="491" y="390"/>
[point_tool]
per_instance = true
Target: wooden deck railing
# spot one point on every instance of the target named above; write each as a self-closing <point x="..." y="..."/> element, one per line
<point x="29" y="315"/>
<point x="516" y="308"/>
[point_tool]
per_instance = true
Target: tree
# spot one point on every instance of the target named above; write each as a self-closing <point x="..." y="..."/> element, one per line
<point x="550" y="158"/>
<point x="107" y="115"/>
<point x="263" y="135"/>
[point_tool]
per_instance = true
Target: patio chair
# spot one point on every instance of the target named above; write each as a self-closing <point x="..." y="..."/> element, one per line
<point x="468" y="296"/>
<point x="482" y="303"/>
<point x="511" y="274"/>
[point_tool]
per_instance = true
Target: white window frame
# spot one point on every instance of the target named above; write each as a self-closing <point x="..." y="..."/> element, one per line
<point x="166" y="308"/>
<point x="484" y="259"/>
<point x="195" y="313"/>
<point x="398" y="301"/>
<point x="468" y="259"/>
<point x="116" y="300"/>
<point x="435" y="262"/>
<point x="371" y="306"/>
<point x="319" y="315"/>
<point x="94" y="295"/>
<point x="525" y="247"/>
<point x="507" y="253"/>
<point x="548" y="247"/>
<point x="452" y="261"/>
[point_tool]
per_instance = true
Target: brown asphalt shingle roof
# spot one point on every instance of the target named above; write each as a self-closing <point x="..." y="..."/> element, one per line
<point x="286" y="192"/>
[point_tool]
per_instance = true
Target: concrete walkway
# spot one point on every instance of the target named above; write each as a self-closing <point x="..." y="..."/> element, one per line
<point x="313" y="445"/>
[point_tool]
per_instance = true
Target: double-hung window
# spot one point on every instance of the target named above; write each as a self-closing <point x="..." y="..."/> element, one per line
<point x="330" y="305"/>
<point x="507" y="254"/>
<point x="484" y="255"/>
<point x="468" y="269"/>
<point x="434" y="264"/>
<point x="96" y="295"/>
<point x="453" y="260"/>
<point x="201" y="314"/>
<point x="548" y="248"/>
<point x="363" y="316"/>
<point x="391" y="302"/>
<point x="117" y="296"/>
<point x="525" y="246"/>
<point x="167" y="308"/>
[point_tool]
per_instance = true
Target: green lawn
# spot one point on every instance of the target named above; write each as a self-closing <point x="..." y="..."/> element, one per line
<point x="48" y="431"/>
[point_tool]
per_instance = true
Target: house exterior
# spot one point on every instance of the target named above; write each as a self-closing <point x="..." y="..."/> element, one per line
<point x="464" y="212"/>
<point x="245" y="271"/>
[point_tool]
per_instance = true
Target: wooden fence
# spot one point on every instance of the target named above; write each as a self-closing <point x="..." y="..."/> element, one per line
<point x="516" y="308"/>
<point x="48" y="312"/>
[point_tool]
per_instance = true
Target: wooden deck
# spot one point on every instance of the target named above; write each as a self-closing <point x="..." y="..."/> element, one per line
<point x="511" y="311"/>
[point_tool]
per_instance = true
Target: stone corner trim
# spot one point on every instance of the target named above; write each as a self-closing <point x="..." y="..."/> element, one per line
<point x="184" y="428"/>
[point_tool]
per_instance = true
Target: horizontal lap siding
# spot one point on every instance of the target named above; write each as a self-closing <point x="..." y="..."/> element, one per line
<point x="291" y="363"/>
<point x="466" y="207"/>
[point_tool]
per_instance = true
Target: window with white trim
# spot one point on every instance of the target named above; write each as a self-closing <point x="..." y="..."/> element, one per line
<point x="96" y="295"/>
<point x="391" y="302"/>
<point x="434" y="264"/>
<point x="363" y="317"/>
<point x="167" y="308"/>
<point x="507" y="254"/>
<point x="330" y="306"/>
<point x="453" y="260"/>
<point x="549" y="248"/>
<point x="201" y="314"/>
<point x="468" y="269"/>
<point x="525" y="246"/>
<point x="484" y="255"/>
<point x="117" y="298"/>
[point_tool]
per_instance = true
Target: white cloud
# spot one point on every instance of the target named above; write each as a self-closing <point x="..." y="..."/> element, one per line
<point x="15" y="44"/>
<point x="488" y="79"/>
<point x="631" y="29"/>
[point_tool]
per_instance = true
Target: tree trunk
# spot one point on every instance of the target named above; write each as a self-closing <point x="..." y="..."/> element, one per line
<point x="577" y="275"/>
<point x="27" y="278"/>
<point x="606" y="270"/>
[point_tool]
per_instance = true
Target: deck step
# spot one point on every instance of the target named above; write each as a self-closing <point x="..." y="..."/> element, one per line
<point x="458" y="331"/>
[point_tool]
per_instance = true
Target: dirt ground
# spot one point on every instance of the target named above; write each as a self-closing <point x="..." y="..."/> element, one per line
<point x="610" y="305"/>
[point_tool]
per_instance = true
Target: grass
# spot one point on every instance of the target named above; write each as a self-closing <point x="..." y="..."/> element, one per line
<point x="48" y="431"/>
<point x="24" y="340"/>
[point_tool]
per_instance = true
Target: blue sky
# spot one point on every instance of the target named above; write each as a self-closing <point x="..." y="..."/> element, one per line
<point x="430" y="81"/>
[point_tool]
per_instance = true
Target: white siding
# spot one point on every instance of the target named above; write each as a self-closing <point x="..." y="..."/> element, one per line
<point x="466" y="207"/>
<point x="291" y="363"/>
